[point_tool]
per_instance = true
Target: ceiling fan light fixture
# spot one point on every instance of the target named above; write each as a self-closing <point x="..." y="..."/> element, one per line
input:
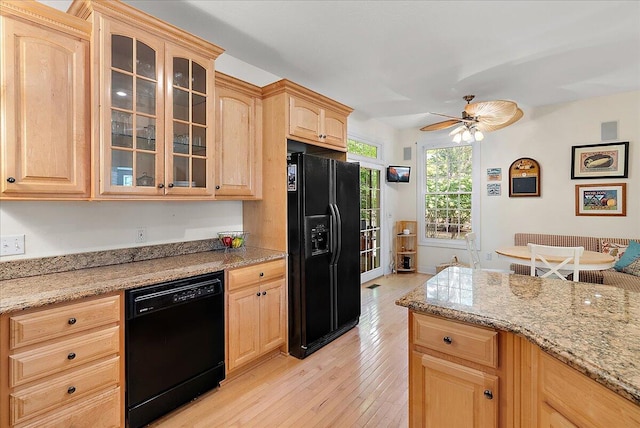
<point x="466" y="135"/>
<point x="457" y="138"/>
<point x="478" y="135"/>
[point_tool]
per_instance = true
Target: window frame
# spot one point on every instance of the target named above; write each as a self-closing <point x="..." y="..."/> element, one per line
<point x="441" y="143"/>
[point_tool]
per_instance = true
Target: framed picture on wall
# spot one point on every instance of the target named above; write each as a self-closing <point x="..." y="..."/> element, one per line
<point x="609" y="160"/>
<point x="608" y="199"/>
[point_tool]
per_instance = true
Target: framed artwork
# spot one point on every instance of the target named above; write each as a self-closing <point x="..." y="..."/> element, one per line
<point x="609" y="199"/>
<point x="609" y="160"/>
<point x="524" y="178"/>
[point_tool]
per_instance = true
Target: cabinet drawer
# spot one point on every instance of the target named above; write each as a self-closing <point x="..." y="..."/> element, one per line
<point x="468" y="342"/>
<point x="51" y="323"/>
<point x="99" y="411"/>
<point x="45" y="360"/>
<point x="241" y="277"/>
<point x="63" y="390"/>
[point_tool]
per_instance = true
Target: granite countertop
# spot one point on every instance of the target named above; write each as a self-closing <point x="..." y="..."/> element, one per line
<point x="44" y="289"/>
<point x="592" y="328"/>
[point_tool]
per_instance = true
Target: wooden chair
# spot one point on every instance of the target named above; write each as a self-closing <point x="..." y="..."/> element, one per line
<point x="474" y="255"/>
<point x="552" y="258"/>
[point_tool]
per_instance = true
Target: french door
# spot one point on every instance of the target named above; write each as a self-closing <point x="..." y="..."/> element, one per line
<point x="371" y="221"/>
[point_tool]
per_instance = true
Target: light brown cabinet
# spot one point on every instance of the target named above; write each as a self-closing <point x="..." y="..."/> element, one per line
<point x="238" y="140"/>
<point x="45" y="104"/>
<point x="310" y="122"/>
<point x="63" y="365"/>
<point x="153" y="129"/>
<point x="406" y="246"/>
<point x="256" y="312"/>
<point x="453" y="374"/>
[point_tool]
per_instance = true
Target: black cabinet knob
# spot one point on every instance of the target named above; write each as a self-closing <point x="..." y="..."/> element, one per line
<point x="258" y="294"/>
<point x="160" y="186"/>
<point x="217" y="187"/>
<point x="447" y="340"/>
<point x="71" y="356"/>
<point x="11" y="180"/>
<point x="71" y="390"/>
<point x="264" y="293"/>
<point x="170" y="185"/>
<point x="261" y="273"/>
<point x="72" y="321"/>
<point x="488" y="394"/>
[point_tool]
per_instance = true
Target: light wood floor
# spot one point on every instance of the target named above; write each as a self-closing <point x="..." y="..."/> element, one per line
<point x="358" y="380"/>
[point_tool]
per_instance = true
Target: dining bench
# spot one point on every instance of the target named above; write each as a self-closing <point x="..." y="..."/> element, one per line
<point x="590" y="243"/>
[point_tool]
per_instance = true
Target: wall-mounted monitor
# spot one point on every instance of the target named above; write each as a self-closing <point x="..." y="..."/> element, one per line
<point x="398" y="174"/>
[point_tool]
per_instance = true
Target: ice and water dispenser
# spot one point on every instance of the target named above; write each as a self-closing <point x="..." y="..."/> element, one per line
<point x="318" y="233"/>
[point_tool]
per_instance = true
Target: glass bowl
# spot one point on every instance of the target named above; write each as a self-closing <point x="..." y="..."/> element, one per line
<point x="232" y="239"/>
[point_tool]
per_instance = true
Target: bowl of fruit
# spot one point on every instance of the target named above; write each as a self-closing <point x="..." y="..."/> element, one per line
<point x="233" y="239"/>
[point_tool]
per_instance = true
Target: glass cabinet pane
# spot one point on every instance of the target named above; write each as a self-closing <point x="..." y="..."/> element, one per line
<point x="181" y="72"/>
<point x="199" y="78"/>
<point x="180" y="104"/>
<point x="181" y="171"/>
<point x="121" y="168"/>
<point x="122" y="53"/>
<point x="121" y="129"/>
<point x="121" y="90"/>
<point x="180" y="138"/>
<point x="145" y="133"/>
<point x="199" y="172"/>
<point x="145" y="61"/>
<point x="199" y="134"/>
<point x="145" y="96"/>
<point x="199" y="112"/>
<point x="145" y="162"/>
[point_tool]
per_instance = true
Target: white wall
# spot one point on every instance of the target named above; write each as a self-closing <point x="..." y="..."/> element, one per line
<point x="55" y="228"/>
<point x="546" y="134"/>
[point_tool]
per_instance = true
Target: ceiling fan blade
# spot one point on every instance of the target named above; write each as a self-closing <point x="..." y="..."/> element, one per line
<point x="458" y="129"/>
<point x="441" y="125"/>
<point x="492" y="113"/>
<point x="459" y="119"/>
<point x="485" y="127"/>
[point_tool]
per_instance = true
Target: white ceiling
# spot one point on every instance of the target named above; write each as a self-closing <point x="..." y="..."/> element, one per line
<point x="397" y="60"/>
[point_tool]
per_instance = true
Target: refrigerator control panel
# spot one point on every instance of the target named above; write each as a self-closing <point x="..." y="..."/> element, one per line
<point x="318" y="233"/>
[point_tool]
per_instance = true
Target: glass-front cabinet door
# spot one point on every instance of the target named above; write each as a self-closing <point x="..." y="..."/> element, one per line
<point x="132" y="157"/>
<point x="190" y="122"/>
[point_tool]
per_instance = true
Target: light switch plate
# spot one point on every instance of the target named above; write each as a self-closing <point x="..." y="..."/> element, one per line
<point x="11" y="245"/>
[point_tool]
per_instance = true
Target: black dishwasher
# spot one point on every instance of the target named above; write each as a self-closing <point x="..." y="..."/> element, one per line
<point x="174" y="336"/>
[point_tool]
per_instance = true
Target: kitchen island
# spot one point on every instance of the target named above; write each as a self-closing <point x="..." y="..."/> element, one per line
<point x="503" y="329"/>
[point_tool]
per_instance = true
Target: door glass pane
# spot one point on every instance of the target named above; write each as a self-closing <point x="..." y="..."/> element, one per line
<point x="370" y="231"/>
<point x="145" y="169"/>
<point x="145" y="96"/>
<point x="181" y="171"/>
<point x="180" y="104"/>
<point x="199" y="140"/>
<point x="145" y="61"/>
<point x="199" y="172"/>
<point x="180" y="138"/>
<point x="181" y="72"/>
<point x="121" y="90"/>
<point x="122" y="53"/>
<point x="199" y="78"/>
<point x="199" y="111"/>
<point x="121" y="168"/>
<point x="145" y="133"/>
<point x="121" y="129"/>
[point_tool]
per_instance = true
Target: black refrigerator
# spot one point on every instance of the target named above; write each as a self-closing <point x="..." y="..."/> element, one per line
<point x="324" y="230"/>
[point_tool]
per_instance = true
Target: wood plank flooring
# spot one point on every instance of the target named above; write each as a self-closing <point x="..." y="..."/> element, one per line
<point x="358" y="380"/>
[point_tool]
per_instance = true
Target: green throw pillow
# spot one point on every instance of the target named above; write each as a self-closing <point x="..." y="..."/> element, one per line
<point x="630" y="255"/>
<point x="633" y="268"/>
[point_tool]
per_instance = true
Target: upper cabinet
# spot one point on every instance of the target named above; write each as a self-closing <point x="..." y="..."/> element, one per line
<point x="154" y="124"/>
<point x="312" y="118"/>
<point x="45" y="103"/>
<point x="238" y="140"/>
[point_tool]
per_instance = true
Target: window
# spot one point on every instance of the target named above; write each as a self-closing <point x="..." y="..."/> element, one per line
<point x="360" y="148"/>
<point x="448" y="194"/>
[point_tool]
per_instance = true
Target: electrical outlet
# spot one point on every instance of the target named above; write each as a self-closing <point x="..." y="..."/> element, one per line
<point x="11" y="245"/>
<point x="141" y="234"/>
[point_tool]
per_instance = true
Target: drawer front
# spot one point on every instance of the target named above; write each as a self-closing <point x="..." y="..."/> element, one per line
<point x="100" y="411"/>
<point x="51" y="323"/>
<point x="63" y="390"/>
<point x="31" y="365"/>
<point x="460" y="340"/>
<point x="263" y="272"/>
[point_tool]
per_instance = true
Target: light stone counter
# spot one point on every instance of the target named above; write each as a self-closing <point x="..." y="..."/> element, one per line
<point x="43" y="289"/>
<point x="592" y="328"/>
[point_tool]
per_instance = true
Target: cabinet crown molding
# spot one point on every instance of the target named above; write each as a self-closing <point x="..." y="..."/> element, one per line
<point x="287" y="86"/>
<point x="33" y="11"/>
<point x="131" y="16"/>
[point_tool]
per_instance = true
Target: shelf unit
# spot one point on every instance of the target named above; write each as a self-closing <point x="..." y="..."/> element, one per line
<point x="406" y="247"/>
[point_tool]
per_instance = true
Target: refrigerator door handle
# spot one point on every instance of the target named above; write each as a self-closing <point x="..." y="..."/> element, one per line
<point x="333" y="234"/>
<point x="338" y="232"/>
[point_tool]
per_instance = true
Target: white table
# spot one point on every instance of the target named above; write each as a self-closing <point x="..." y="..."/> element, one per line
<point x="589" y="260"/>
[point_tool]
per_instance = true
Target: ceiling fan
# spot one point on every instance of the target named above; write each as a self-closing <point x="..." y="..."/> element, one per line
<point x="477" y="118"/>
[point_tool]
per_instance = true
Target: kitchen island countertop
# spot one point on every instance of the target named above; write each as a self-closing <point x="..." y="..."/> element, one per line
<point x="41" y="290"/>
<point x="590" y="327"/>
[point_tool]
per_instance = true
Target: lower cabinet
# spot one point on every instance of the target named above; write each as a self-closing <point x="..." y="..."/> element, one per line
<point x="256" y="312"/>
<point x="64" y="365"/>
